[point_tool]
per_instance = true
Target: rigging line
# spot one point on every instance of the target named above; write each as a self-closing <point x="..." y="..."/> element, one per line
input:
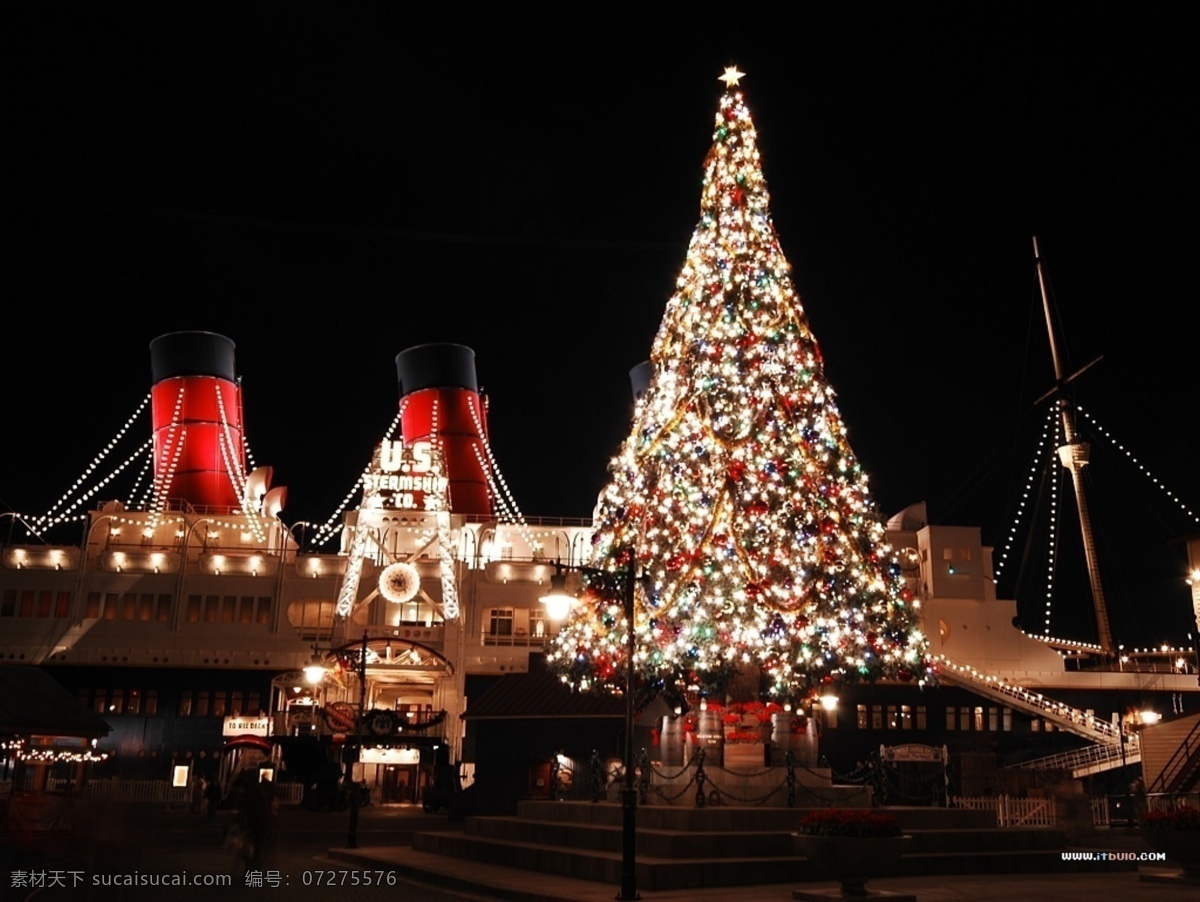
<point x="128" y="424"/>
<point x="251" y="507"/>
<point x="61" y="516"/>
<point x="1052" y="546"/>
<point x="989" y="464"/>
<point x="1024" y="505"/>
<point x="327" y="530"/>
<point x="1044" y="468"/>
<point x="1098" y="430"/>
<point x="132" y="498"/>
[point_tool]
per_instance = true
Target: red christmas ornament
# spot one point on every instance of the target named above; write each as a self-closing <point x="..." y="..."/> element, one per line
<point x="737" y="469"/>
<point x="904" y="676"/>
<point x="906" y="594"/>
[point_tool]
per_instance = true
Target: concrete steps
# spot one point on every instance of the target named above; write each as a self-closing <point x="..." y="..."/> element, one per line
<point x="678" y="848"/>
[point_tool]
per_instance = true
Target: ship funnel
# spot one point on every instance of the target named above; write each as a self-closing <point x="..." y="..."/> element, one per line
<point x="196" y="409"/>
<point x="440" y="403"/>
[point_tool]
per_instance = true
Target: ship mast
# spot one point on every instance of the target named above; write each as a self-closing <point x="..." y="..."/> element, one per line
<point x="1074" y="455"/>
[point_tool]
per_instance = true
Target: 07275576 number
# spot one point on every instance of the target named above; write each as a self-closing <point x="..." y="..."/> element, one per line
<point x="346" y="877"/>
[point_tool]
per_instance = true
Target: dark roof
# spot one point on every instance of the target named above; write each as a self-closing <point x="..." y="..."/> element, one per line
<point x="34" y="703"/>
<point x="540" y="694"/>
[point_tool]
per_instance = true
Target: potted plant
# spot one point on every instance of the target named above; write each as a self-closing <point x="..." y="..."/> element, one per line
<point x="851" y="845"/>
<point x="1177" y="833"/>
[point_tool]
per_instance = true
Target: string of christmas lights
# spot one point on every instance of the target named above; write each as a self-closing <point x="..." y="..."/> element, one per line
<point x="234" y="466"/>
<point x="1044" y="446"/>
<point x="1052" y="537"/>
<point x="48" y="519"/>
<point x="332" y="526"/>
<point x="1179" y="502"/>
<point x="510" y="512"/>
<point x="20" y="750"/>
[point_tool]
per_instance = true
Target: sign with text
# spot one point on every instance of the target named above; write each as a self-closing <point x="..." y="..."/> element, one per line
<point x="406" y="477"/>
<point x="246" y="726"/>
<point x="912" y="752"/>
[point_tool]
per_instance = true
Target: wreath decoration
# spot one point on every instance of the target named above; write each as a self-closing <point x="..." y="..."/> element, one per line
<point x="381" y="723"/>
<point x="399" y="582"/>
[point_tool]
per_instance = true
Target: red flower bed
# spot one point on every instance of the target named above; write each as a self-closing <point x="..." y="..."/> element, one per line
<point x="739" y="736"/>
<point x="1184" y="817"/>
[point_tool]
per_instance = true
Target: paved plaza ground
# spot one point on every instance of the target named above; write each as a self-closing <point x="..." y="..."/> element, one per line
<point x="309" y="861"/>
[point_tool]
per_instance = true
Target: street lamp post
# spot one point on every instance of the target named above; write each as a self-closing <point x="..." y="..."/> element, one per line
<point x="557" y="606"/>
<point x="629" y="795"/>
<point x="353" y="752"/>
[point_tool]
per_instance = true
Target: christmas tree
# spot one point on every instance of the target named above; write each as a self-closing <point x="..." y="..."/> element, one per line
<point x="736" y="497"/>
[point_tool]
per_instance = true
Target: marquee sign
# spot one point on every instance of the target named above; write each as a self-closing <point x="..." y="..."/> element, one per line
<point x="246" y="726"/>
<point x="407" y="477"/>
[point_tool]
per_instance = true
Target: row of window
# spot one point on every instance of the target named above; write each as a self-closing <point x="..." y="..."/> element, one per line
<point x="504" y="622"/>
<point x="908" y="717"/>
<point x="979" y="719"/>
<point x="192" y="703"/>
<point x="890" y="717"/>
<point x="127" y="606"/>
<point x="137" y="606"/>
<point x="229" y="609"/>
<point x="217" y="703"/>
<point x="35" y="603"/>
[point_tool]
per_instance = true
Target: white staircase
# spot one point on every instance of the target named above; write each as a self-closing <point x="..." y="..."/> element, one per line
<point x="1106" y="753"/>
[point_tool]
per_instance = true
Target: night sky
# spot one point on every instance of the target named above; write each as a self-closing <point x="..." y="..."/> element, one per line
<point x="329" y="191"/>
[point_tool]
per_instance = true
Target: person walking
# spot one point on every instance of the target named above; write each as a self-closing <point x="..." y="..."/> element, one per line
<point x="198" y="788"/>
<point x="256" y="816"/>
<point x="212" y="794"/>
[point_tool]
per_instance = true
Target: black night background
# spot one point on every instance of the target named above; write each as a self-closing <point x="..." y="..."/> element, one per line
<point x="331" y="186"/>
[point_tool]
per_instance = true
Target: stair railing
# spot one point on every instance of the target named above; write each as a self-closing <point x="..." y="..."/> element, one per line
<point x="1183" y="763"/>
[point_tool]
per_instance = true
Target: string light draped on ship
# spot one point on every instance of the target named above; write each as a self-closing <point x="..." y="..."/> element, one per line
<point x="755" y="538"/>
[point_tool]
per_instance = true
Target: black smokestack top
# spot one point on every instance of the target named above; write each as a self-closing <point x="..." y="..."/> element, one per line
<point x="192" y="354"/>
<point x="436" y="366"/>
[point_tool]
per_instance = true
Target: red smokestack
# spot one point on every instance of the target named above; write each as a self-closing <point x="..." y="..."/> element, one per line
<point x="440" y="403"/>
<point x="196" y="407"/>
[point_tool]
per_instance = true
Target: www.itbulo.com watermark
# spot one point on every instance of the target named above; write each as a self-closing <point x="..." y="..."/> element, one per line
<point x="1105" y="855"/>
<point x="67" y="879"/>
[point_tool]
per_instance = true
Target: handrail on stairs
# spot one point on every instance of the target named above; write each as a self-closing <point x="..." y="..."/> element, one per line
<point x="1108" y="755"/>
<point x="1079" y="722"/>
<point x="1187" y="753"/>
